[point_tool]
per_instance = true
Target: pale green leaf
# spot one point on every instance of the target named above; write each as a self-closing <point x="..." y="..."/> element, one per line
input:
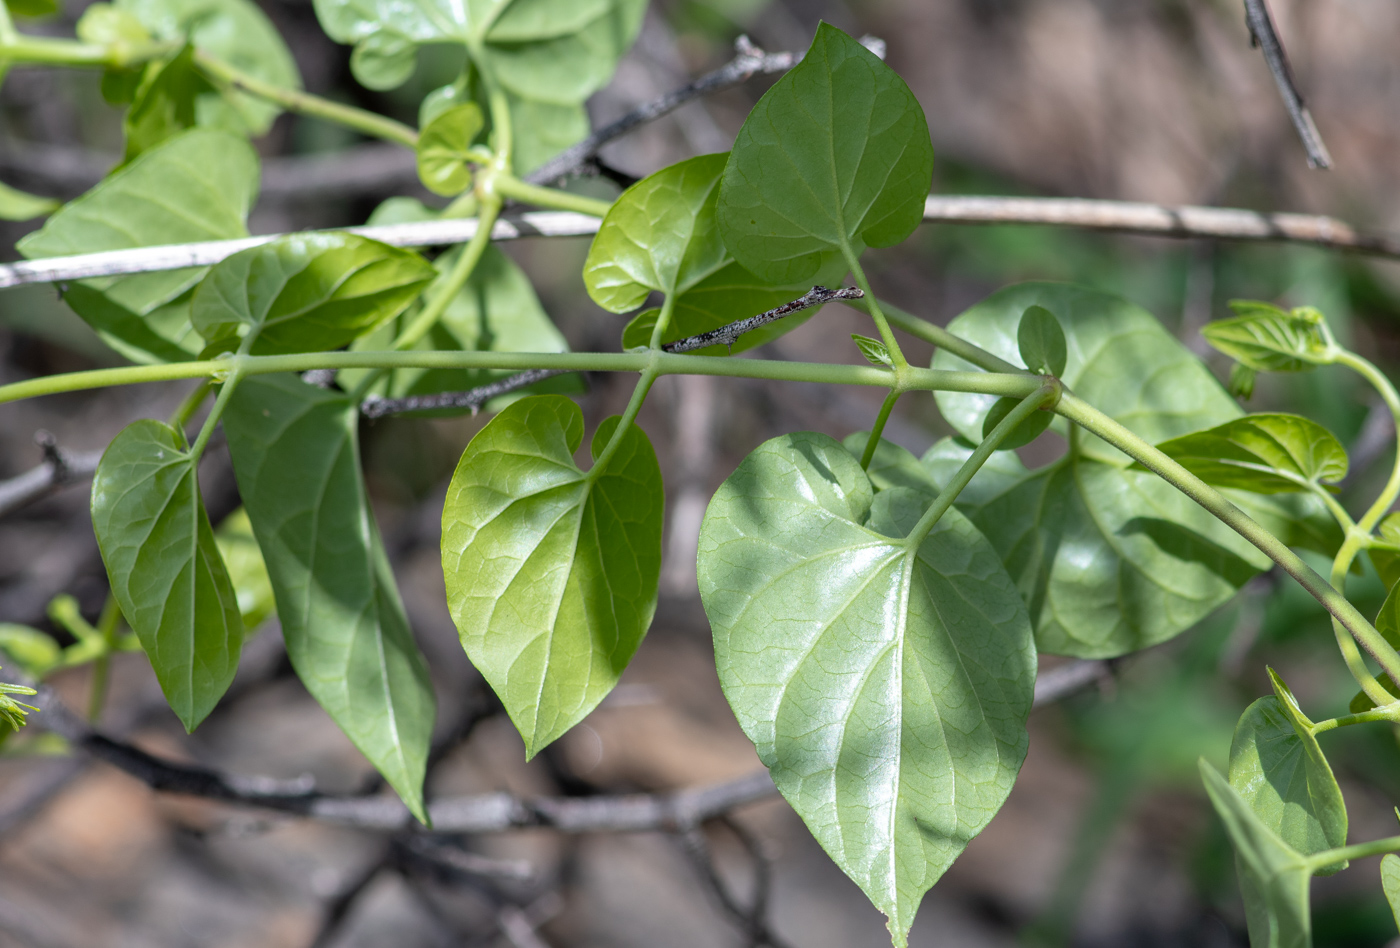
<point x="16" y="205"/>
<point x="34" y="651"/>
<point x="1264" y="453"/>
<point x="235" y="31"/>
<point x="497" y="311"/>
<point x="246" y="569"/>
<point x="548" y="56"/>
<point x="885" y="688"/>
<point x="1120" y="360"/>
<point x="892" y="465"/>
<point x="835" y="157"/>
<point x="165" y="103"/>
<point x="306" y="292"/>
<point x="165" y="568"/>
<point x="1266" y="338"/>
<point x="873" y="349"/>
<point x="551" y="571"/>
<point x="1278" y="768"/>
<point x="197" y="186"/>
<point x="295" y="451"/>
<point x="1041" y="342"/>
<point x="1390" y="881"/>
<point x="444" y="149"/>
<point x="1274" y="877"/>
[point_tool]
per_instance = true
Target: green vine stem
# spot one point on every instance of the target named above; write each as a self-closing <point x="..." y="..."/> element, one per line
<point x="1330" y="857"/>
<point x="873" y="308"/>
<point x="101" y="668"/>
<point x="19" y="49"/>
<point x="878" y="429"/>
<point x="937" y="335"/>
<point x="986" y="383"/>
<point x="1096" y="422"/>
<point x="512" y="187"/>
<point x="629" y="415"/>
<point x="294" y="100"/>
<point x="1046" y="395"/>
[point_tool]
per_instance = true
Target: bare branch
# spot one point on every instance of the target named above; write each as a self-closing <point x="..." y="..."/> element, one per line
<point x="728" y="335"/>
<point x="1153" y="220"/>
<point x="59" y="468"/>
<point x="475" y="398"/>
<point x="1264" y="35"/>
<point x="750" y="61"/>
<point x="1052" y="684"/>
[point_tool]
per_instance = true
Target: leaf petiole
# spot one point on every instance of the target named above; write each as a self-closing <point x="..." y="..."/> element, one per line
<point x="873" y="308"/>
<point x="879" y="427"/>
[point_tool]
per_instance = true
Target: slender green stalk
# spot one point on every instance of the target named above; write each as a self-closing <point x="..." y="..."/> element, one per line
<point x="1374" y="690"/>
<point x="215" y="413"/>
<point x="1331" y="857"/>
<point x="1388" y="712"/>
<point x="663" y="321"/>
<point x="1045" y="396"/>
<point x="1387" y="392"/>
<point x="190" y="405"/>
<point x="931" y="380"/>
<point x="22" y="50"/>
<point x="101" y="668"/>
<point x="873" y="308"/>
<point x="457" y="278"/>
<point x="8" y="33"/>
<point x="940" y="337"/>
<point x="503" y="134"/>
<point x="512" y="187"/>
<point x="878" y="428"/>
<point x="294" y="100"/>
<point x="1213" y="501"/>
<point x="629" y="415"/>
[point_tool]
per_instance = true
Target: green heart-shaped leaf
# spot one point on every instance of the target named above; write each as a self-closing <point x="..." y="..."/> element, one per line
<point x="1278" y="768"/>
<point x="834" y="158"/>
<point x="235" y="31"/>
<point x="295" y="451"/>
<point x="1119" y="359"/>
<point x="247" y="569"/>
<point x="1390" y="881"/>
<point x="1274" y="877"/>
<point x="885" y="687"/>
<point x="306" y="292"/>
<point x="1387" y="558"/>
<point x="1024" y="433"/>
<point x="165" y="103"/>
<point x="197" y="186"/>
<point x="551" y="571"/>
<point x="165" y="568"/>
<point x="444" y="149"/>
<point x="1041" y="342"/>
<point x="1264" y="453"/>
<point x="1263" y="337"/>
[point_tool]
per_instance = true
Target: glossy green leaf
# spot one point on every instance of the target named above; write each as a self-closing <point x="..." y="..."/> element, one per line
<point x="1388" y="619"/>
<point x="659" y="235"/>
<point x="548" y="56"/>
<point x="1390" y="882"/>
<point x="1278" y="768"/>
<point x="306" y="292"/>
<point x="1120" y="360"/>
<point x="1264" y="453"/>
<point x="497" y="311"/>
<point x="1274" y="877"/>
<point x="34" y="651"/>
<point x="1041" y="342"/>
<point x="18" y="206"/>
<point x="1112" y="561"/>
<point x="165" y="568"/>
<point x="295" y="451"/>
<point x="551" y="571"/>
<point x="1024" y="433"/>
<point x="165" y="103"/>
<point x="1266" y="338"/>
<point x="444" y="149"/>
<point x="235" y="31"/>
<point x="835" y="157"/>
<point x="873" y="349"/>
<point x="194" y="187"/>
<point x="246" y="569"/>
<point x="885" y="688"/>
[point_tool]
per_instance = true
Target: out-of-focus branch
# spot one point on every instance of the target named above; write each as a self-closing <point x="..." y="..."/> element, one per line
<point x="1153" y="220"/>
<point x="1264" y="35"/>
<point x="58" y="469"/>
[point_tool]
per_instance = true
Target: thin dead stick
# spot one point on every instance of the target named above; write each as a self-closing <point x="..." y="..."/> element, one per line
<point x="59" y="469"/>
<point x="1264" y="35"/>
<point x="475" y="398"/>
<point x="1153" y="220"/>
